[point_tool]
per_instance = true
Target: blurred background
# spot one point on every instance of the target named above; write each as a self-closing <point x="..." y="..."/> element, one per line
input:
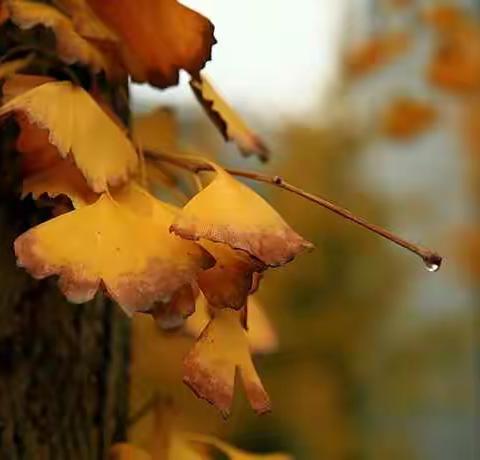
<point x="375" y="105"/>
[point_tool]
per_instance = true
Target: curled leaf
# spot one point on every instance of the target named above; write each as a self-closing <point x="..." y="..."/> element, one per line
<point x="172" y="315"/>
<point x="121" y="242"/>
<point x="78" y="126"/>
<point x="229" y="282"/>
<point x="211" y="365"/>
<point x="261" y="334"/>
<point x="63" y="178"/>
<point x="159" y="37"/>
<point x="21" y="83"/>
<point x="71" y="47"/>
<point x="227" y="211"/>
<point x="232" y="453"/>
<point x="126" y="451"/>
<point x="10" y="68"/>
<point x="227" y="121"/>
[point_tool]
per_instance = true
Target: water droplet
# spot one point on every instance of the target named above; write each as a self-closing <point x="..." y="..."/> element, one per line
<point x="432" y="267"/>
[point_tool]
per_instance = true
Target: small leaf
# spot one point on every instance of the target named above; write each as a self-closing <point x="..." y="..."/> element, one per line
<point x="261" y="334"/>
<point x="229" y="282"/>
<point x="126" y="451"/>
<point x="78" y="126"/>
<point x="227" y="121"/>
<point x="227" y="211"/>
<point x="159" y="37"/>
<point x="10" y="68"/>
<point x="71" y="47"/>
<point x="122" y="242"/>
<point x="211" y="365"/>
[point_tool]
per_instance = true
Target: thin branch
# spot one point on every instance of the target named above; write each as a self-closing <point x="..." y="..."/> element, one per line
<point x="431" y="259"/>
<point x="144" y="410"/>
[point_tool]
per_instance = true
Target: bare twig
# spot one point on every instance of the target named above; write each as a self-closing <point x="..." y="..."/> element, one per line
<point x="431" y="259"/>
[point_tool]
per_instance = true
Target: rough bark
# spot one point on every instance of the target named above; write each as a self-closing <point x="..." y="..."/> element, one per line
<point x="63" y="367"/>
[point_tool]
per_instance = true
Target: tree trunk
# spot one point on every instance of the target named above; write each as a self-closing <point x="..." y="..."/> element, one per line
<point x="63" y="367"/>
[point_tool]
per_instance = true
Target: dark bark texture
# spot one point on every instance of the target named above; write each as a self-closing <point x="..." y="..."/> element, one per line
<point x="63" y="367"/>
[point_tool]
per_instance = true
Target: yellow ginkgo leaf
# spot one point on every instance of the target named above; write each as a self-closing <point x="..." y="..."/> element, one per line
<point x="63" y="178"/>
<point x="158" y="37"/>
<point x="229" y="282"/>
<point x="231" y="452"/>
<point x="21" y="83"/>
<point x="157" y="130"/>
<point x="71" y="47"/>
<point x="227" y="211"/>
<point x="121" y="242"/>
<point x="126" y="451"/>
<point x="78" y="126"/>
<point x="10" y="68"/>
<point x="211" y="365"/>
<point x="227" y="121"/>
<point x="86" y="23"/>
<point x="172" y="315"/>
<point x="261" y="334"/>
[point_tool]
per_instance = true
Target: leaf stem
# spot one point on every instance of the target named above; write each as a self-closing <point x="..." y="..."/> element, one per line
<point x="432" y="259"/>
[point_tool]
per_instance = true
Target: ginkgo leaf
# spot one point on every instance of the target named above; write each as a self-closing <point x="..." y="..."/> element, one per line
<point x="261" y="334"/>
<point x="21" y="83"/>
<point x="231" y="452"/>
<point x="157" y="130"/>
<point x="229" y="282"/>
<point x="368" y="56"/>
<point x="126" y="451"/>
<point x="122" y="242"/>
<point x="71" y="47"/>
<point x="159" y="37"/>
<point x="228" y="122"/>
<point x="10" y="68"/>
<point x="86" y="23"/>
<point x="172" y="314"/>
<point x="406" y="117"/>
<point x="63" y="178"/>
<point x="210" y="367"/>
<point x="78" y="126"/>
<point x="227" y="211"/>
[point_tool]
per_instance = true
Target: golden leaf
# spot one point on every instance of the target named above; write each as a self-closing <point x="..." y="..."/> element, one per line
<point x="86" y="23"/>
<point x="261" y="334"/>
<point x="227" y="121"/>
<point x="126" y="451"/>
<point x="122" y="242"/>
<point x="10" y="68"/>
<point x="78" y="126"/>
<point x="210" y="367"/>
<point x="231" y="452"/>
<point x="405" y="118"/>
<point x="21" y="83"/>
<point x="172" y="314"/>
<point x="157" y="130"/>
<point x="227" y="211"/>
<point x="71" y="47"/>
<point x="159" y="37"/>
<point x="229" y="282"/>
<point x="63" y="178"/>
